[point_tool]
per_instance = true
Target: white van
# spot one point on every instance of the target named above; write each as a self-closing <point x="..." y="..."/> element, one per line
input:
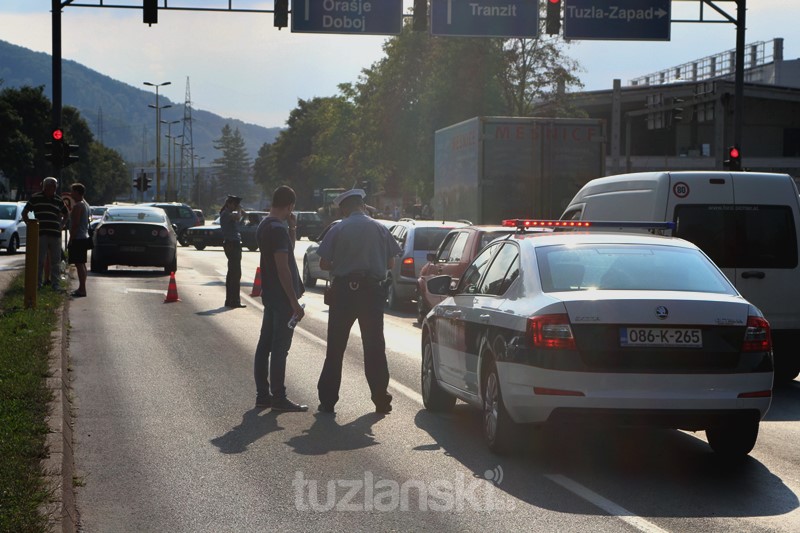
<point x="747" y="222"/>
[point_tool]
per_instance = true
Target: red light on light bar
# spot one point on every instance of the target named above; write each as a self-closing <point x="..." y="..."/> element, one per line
<point x="527" y="223"/>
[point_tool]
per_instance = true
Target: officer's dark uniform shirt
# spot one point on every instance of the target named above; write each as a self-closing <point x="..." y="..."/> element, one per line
<point x="359" y="245"/>
<point x="273" y="236"/>
<point x="229" y="226"/>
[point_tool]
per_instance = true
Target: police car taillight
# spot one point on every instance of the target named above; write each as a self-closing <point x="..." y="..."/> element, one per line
<point x="757" y="336"/>
<point x="551" y="332"/>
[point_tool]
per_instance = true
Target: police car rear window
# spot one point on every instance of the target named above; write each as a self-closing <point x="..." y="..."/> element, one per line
<point x="628" y="267"/>
<point x="741" y="236"/>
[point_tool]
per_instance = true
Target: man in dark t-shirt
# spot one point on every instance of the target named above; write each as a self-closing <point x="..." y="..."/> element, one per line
<point x="281" y="288"/>
<point x="51" y="213"/>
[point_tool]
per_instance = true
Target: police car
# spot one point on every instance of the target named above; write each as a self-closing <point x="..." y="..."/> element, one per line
<point x="619" y="327"/>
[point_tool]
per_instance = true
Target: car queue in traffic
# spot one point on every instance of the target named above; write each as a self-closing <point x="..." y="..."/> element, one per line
<point x="549" y="322"/>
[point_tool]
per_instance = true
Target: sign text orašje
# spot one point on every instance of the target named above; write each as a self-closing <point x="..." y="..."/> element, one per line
<point x="366" y="17"/>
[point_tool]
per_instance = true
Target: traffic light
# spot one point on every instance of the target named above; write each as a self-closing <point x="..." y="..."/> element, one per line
<point x="150" y="12"/>
<point x="281" y="14"/>
<point x="137" y="183"/>
<point x="147" y="181"/>
<point x="734" y="161"/>
<point x="553" y="18"/>
<point x="55" y="148"/>
<point x="420" y="21"/>
<point x="68" y="154"/>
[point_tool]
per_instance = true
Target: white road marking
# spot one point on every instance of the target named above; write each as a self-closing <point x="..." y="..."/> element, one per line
<point x="148" y="291"/>
<point x="605" y="504"/>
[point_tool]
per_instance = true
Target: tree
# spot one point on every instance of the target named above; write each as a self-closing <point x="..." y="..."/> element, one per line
<point x="110" y="175"/>
<point x="233" y="167"/>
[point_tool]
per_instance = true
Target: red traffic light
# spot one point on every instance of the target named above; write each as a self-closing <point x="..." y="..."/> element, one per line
<point x="58" y="134"/>
<point x="554" y="1"/>
<point x="734" y="153"/>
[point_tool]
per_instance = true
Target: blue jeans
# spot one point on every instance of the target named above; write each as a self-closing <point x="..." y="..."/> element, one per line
<point x="272" y="350"/>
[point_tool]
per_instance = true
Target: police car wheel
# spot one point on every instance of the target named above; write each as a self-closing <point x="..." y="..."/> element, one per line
<point x="733" y="440"/>
<point x="200" y="246"/>
<point x="183" y="239"/>
<point x="433" y="396"/>
<point x="498" y="428"/>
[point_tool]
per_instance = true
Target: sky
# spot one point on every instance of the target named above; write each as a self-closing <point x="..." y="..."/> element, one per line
<point x="240" y="66"/>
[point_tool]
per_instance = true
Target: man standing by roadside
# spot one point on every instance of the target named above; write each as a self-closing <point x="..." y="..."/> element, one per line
<point x="357" y="251"/>
<point x="229" y="217"/>
<point x="281" y="289"/>
<point x="79" y="241"/>
<point x="50" y="211"/>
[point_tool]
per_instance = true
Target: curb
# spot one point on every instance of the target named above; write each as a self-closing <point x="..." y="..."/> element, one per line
<point x="58" y="466"/>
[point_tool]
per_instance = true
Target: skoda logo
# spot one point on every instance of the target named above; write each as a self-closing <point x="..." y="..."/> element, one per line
<point x="662" y="312"/>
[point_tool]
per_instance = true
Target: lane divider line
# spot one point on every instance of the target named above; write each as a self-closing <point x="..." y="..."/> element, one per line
<point x="617" y="511"/>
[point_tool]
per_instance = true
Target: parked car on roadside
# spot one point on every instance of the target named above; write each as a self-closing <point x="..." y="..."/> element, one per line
<point x="456" y="252"/>
<point x="311" y="269"/>
<point x="608" y="328"/>
<point x="211" y="234"/>
<point x="417" y="238"/>
<point x="137" y="235"/>
<point x="13" y="230"/>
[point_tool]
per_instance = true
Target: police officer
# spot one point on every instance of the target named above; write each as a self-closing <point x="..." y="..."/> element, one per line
<point x="229" y="217"/>
<point x="357" y="251"/>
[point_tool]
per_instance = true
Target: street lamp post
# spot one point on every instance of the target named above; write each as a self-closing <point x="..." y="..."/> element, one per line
<point x="158" y="134"/>
<point x="170" y="184"/>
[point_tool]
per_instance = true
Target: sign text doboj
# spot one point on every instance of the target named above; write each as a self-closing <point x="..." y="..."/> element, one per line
<point x="370" y="17"/>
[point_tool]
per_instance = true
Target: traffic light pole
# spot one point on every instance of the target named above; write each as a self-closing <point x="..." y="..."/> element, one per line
<point x="57" y="103"/>
<point x="738" y="83"/>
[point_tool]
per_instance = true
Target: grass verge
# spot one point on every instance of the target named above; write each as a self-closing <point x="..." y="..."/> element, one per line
<point x="24" y="349"/>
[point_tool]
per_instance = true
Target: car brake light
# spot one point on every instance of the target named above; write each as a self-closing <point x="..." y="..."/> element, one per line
<point x="407" y="267"/>
<point x="551" y="332"/>
<point x="757" y="335"/>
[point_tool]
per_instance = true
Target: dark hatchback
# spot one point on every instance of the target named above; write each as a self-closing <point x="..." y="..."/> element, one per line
<point x="309" y="224"/>
<point x="135" y="236"/>
<point x="211" y="234"/>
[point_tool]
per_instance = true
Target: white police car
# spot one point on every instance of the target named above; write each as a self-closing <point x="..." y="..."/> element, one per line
<point x="615" y="327"/>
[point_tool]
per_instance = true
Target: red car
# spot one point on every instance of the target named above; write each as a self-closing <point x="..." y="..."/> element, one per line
<point x="456" y="252"/>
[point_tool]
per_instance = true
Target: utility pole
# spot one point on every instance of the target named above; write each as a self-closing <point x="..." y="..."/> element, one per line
<point x="738" y="84"/>
<point x="55" y="120"/>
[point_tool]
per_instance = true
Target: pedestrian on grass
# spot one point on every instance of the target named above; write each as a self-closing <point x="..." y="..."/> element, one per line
<point x="79" y="242"/>
<point x="281" y="289"/>
<point x="229" y="217"/>
<point x="51" y="213"/>
<point x="358" y="251"/>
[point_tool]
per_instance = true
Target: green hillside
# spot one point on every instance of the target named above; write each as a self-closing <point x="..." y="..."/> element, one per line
<point x="117" y="112"/>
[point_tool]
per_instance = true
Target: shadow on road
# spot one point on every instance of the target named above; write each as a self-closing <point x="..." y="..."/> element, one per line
<point x="327" y="435"/>
<point x="650" y="472"/>
<point x="253" y="427"/>
<point x="785" y="403"/>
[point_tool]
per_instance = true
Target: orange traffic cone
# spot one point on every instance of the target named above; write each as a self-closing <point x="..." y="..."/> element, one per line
<point x="172" y="291"/>
<point x="257" y="283"/>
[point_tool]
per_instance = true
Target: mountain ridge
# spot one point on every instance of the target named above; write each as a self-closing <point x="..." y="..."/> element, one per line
<point x="118" y="113"/>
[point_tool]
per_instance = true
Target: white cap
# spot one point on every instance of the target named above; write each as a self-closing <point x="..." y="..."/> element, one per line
<point x="347" y="194"/>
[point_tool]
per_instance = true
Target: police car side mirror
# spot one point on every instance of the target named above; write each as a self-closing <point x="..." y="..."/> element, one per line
<point x="440" y="285"/>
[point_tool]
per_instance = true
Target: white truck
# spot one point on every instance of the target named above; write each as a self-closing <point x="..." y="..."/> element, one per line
<point x="748" y="223"/>
<point x="488" y="169"/>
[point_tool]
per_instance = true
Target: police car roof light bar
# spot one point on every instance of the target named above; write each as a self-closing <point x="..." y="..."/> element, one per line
<point x="522" y="224"/>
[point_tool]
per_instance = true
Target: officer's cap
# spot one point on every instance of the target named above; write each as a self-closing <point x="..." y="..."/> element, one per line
<point x="234" y="199"/>
<point x="348" y="194"/>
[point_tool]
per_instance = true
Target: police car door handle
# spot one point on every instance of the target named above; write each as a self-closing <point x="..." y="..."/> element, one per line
<point x="753" y="274"/>
<point x="485" y="318"/>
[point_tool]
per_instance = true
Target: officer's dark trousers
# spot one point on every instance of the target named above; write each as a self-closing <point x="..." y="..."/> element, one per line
<point x="365" y="304"/>
<point x="233" y="251"/>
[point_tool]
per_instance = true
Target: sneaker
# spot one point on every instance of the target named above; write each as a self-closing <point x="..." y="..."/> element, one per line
<point x="325" y="408"/>
<point x="285" y="404"/>
<point x="264" y="404"/>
